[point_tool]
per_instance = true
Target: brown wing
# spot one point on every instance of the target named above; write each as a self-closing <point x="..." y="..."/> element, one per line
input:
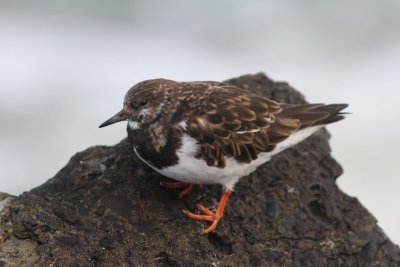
<point x="239" y="125"/>
<point x="236" y="124"/>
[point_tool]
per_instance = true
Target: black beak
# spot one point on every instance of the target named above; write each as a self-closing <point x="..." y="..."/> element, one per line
<point x="120" y="116"/>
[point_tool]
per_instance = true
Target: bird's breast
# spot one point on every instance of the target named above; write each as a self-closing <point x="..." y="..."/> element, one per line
<point x="151" y="153"/>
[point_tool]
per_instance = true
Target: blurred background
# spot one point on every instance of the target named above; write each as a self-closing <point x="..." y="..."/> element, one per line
<point x="66" y="65"/>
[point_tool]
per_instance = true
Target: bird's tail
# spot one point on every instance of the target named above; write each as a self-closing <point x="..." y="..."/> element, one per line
<point x="314" y="114"/>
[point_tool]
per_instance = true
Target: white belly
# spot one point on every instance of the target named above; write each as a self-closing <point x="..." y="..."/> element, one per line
<point x="192" y="170"/>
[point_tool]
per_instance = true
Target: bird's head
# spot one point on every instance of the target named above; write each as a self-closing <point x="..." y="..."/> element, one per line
<point x="144" y="103"/>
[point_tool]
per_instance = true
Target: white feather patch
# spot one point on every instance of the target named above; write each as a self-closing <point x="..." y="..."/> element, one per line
<point x="249" y="131"/>
<point x="134" y="125"/>
<point x="183" y="124"/>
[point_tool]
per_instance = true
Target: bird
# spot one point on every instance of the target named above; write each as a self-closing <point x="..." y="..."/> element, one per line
<point x="208" y="132"/>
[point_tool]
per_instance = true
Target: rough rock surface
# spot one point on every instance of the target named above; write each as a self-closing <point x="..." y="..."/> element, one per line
<point x="105" y="208"/>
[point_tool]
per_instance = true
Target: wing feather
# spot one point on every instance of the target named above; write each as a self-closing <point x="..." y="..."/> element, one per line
<point x="235" y="123"/>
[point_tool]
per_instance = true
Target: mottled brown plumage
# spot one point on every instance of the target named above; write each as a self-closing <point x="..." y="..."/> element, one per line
<point x="226" y="121"/>
<point x="212" y="132"/>
<point x="235" y="123"/>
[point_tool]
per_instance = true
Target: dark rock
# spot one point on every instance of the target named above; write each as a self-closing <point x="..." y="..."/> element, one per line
<point x="220" y="244"/>
<point x="165" y="260"/>
<point x="105" y="208"/>
<point x="67" y="241"/>
<point x="308" y="258"/>
<point x="23" y="224"/>
<point x="67" y="214"/>
<point x="269" y="258"/>
<point x="106" y="242"/>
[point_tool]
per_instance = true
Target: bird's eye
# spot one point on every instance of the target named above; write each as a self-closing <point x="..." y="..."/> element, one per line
<point x="143" y="103"/>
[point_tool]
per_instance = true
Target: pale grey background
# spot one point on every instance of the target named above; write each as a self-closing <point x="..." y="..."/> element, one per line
<point x="66" y="65"/>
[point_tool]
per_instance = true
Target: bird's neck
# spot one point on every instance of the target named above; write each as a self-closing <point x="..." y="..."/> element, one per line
<point x="155" y="142"/>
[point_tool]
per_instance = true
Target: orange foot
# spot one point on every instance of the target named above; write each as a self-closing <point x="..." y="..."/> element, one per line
<point x="174" y="185"/>
<point x="210" y="216"/>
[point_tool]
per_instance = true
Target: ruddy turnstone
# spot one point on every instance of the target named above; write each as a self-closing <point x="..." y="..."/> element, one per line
<point x="212" y="132"/>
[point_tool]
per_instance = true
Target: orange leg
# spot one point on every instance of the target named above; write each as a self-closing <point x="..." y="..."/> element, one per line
<point x="213" y="217"/>
<point x="175" y="185"/>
